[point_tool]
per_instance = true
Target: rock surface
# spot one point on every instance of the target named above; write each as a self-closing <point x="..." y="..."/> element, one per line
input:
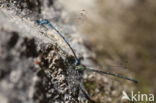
<point x="35" y="64"/>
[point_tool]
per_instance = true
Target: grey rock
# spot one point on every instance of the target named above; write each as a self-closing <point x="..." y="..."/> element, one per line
<point x="33" y="67"/>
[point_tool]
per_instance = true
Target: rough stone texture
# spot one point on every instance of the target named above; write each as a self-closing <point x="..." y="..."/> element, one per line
<point x="43" y="79"/>
<point x="35" y="64"/>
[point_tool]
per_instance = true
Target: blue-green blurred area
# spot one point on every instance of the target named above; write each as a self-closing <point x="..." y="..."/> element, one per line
<point x="126" y="31"/>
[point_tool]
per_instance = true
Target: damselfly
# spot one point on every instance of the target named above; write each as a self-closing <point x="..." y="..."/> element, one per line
<point x="83" y="68"/>
<point x="77" y="65"/>
<point x="45" y="21"/>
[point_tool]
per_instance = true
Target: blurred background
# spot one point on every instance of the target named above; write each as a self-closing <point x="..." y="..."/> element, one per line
<point x="120" y="32"/>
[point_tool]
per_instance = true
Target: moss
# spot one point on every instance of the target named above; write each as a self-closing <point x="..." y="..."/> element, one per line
<point x="90" y="86"/>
